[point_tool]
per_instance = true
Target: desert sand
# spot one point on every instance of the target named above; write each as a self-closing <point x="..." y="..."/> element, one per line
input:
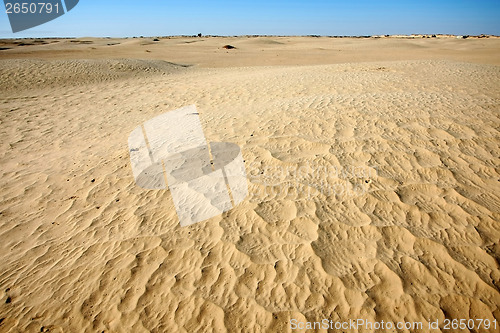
<point x="373" y="173"/>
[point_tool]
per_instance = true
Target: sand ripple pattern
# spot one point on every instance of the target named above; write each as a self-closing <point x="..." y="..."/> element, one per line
<point x="84" y="249"/>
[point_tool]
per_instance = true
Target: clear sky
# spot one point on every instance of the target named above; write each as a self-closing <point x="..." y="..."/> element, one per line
<point x="122" y="18"/>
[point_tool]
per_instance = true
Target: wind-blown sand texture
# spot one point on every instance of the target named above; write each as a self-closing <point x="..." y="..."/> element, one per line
<point x="412" y="235"/>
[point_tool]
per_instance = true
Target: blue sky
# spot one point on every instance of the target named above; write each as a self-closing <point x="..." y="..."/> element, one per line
<point x="319" y="17"/>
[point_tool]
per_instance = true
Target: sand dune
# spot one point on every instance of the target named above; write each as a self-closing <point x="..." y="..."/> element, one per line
<point x="20" y="74"/>
<point x="373" y="172"/>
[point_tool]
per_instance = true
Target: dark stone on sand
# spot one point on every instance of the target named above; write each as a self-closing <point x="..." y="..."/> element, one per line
<point x="228" y="47"/>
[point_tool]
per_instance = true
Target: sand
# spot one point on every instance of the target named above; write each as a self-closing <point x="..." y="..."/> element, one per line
<point x="373" y="173"/>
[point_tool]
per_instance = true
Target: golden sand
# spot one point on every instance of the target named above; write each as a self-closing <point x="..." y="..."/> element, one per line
<point x="394" y="215"/>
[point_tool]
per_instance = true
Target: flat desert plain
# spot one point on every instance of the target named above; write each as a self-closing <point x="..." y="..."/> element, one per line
<point x="373" y="174"/>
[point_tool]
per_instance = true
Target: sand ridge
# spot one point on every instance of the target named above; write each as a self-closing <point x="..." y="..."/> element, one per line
<point x="258" y="51"/>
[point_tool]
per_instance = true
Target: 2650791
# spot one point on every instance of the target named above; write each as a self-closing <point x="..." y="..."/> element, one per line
<point x="471" y="324"/>
<point x="31" y="8"/>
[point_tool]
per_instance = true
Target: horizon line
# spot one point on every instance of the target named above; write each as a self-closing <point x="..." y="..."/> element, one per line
<point x="430" y="35"/>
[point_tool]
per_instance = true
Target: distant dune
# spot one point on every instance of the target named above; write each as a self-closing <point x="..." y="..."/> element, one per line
<point x="258" y="50"/>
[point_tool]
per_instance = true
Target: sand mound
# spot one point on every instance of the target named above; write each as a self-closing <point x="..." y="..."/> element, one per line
<point x="20" y="74"/>
<point x="263" y="41"/>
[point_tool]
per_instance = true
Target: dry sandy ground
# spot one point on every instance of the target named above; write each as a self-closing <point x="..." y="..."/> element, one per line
<point x="374" y="180"/>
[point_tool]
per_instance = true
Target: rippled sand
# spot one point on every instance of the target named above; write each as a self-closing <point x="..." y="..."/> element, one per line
<point x="373" y="172"/>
